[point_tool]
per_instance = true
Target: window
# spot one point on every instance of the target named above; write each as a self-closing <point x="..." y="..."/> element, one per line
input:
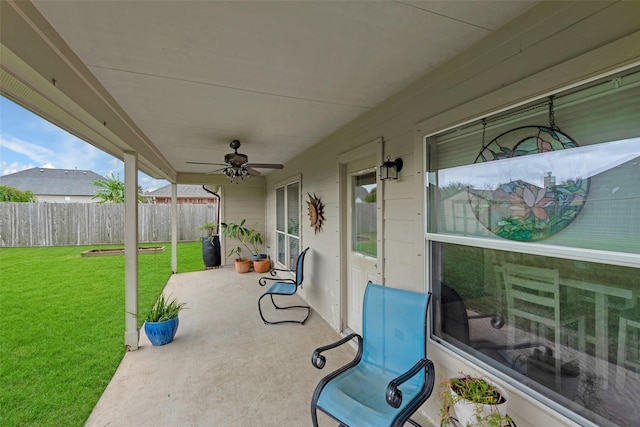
<point x="364" y="214"/>
<point x="534" y="246"/>
<point x="288" y="223"/>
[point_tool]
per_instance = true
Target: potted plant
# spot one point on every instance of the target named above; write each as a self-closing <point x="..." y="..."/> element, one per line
<point x="162" y="321"/>
<point x="251" y="240"/>
<point x="210" y="245"/>
<point x="209" y="229"/>
<point x="243" y="265"/>
<point x="475" y="401"/>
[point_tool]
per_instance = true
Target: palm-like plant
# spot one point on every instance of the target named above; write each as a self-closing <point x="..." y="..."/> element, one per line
<point x="112" y="190"/>
<point x="164" y="309"/>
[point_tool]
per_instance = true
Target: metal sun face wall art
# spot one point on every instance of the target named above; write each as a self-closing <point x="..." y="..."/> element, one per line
<point x="520" y="210"/>
<point x="316" y="212"/>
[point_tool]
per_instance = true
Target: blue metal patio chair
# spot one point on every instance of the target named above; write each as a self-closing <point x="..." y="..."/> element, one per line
<point x="286" y="287"/>
<point x="390" y="377"/>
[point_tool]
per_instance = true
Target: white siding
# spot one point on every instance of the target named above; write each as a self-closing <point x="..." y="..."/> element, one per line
<point x="554" y="45"/>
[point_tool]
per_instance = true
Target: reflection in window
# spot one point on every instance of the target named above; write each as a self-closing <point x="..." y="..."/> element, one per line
<point x="535" y="252"/>
<point x="553" y="324"/>
<point x="364" y="214"/>
<point x="592" y="188"/>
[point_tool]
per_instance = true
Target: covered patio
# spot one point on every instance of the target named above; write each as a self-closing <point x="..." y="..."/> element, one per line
<point x="333" y="91"/>
<point x="224" y="367"/>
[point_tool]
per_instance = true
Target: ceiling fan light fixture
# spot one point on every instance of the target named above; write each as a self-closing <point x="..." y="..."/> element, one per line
<point x="237" y="164"/>
<point x="233" y="172"/>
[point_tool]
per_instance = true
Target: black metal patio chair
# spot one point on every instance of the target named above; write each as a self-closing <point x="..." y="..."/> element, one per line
<point x="284" y="287"/>
<point x="390" y="377"/>
<point x="455" y="323"/>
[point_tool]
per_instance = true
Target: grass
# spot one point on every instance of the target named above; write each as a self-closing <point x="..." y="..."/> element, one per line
<point x="62" y="334"/>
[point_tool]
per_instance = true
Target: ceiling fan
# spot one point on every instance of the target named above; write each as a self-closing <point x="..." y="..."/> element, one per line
<point x="237" y="164"/>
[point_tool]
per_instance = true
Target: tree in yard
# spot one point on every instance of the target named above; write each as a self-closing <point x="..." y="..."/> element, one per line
<point x="12" y="194"/>
<point x="371" y="197"/>
<point x="112" y="190"/>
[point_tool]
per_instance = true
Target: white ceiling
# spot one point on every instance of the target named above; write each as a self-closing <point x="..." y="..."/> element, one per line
<point x="277" y="75"/>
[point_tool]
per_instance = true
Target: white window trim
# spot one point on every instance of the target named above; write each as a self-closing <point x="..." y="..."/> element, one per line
<point x="283" y="184"/>
<point x="438" y="125"/>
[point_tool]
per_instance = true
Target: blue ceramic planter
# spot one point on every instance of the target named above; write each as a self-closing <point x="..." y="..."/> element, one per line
<point x="161" y="333"/>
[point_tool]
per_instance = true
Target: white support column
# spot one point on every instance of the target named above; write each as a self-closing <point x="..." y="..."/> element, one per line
<point x="174" y="228"/>
<point x="131" y="334"/>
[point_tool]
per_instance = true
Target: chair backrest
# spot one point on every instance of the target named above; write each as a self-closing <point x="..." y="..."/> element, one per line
<point x="300" y="268"/>
<point x="454" y="317"/>
<point x="394" y="328"/>
<point x="532" y="293"/>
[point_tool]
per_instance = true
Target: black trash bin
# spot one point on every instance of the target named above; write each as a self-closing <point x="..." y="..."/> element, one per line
<point x="211" y="252"/>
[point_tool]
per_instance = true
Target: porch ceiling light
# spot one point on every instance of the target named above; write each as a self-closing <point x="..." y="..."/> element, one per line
<point x="390" y="168"/>
<point x="233" y="172"/>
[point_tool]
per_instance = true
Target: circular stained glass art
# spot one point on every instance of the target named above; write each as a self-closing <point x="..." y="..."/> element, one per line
<point x="528" y="209"/>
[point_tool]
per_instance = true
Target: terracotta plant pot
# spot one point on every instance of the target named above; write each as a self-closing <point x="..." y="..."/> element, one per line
<point x="243" y="265"/>
<point x="262" y="265"/>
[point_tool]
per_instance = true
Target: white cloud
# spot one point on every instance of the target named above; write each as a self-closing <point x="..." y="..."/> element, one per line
<point x="13" y="167"/>
<point x="33" y="152"/>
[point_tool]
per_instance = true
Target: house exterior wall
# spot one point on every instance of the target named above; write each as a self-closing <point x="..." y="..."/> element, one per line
<point x="48" y="198"/>
<point x="244" y="200"/>
<point x="554" y="45"/>
<point x="184" y="200"/>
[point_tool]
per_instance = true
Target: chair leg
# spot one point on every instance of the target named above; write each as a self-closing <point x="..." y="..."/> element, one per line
<point x="622" y="353"/>
<point x="314" y="415"/>
<point x="266" y="322"/>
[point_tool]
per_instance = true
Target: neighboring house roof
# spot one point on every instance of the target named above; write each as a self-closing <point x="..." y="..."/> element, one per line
<point x="43" y="181"/>
<point x="184" y="190"/>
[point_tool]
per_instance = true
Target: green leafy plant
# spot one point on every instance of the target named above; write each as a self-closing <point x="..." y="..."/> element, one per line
<point x="112" y="190"/>
<point x="209" y="228"/>
<point x="164" y="309"/>
<point x="477" y="391"/>
<point x="12" y="194"/>
<point x="248" y="237"/>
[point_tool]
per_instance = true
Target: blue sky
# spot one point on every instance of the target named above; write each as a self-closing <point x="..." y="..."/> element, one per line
<point x="28" y="141"/>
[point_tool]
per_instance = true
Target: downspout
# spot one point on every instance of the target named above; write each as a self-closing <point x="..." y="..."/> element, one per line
<point x="204" y="187"/>
<point x="217" y="220"/>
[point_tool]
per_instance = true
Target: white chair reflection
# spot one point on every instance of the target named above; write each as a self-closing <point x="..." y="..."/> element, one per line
<point x="533" y="294"/>
<point x="629" y="319"/>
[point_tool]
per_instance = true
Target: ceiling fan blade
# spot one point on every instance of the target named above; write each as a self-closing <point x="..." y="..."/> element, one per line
<point x="214" y="171"/>
<point x="252" y="172"/>
<point x="206" y="163"/>
<point x="265" y="165"/>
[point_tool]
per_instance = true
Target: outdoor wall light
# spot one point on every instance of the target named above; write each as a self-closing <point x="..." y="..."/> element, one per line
<point x="390" y="168"/>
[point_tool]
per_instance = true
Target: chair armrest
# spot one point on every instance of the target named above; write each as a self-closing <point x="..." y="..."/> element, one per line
<point x="318" y="360"/>
<point x="274" y="270"/>
<point x="394" y="394"/>
<point x="497" y="321"/>
<point x="263" y="280"/>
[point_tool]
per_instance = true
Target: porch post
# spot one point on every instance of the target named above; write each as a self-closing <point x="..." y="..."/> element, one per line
<point x="131" y="334"/>
<point x="174" y="227"/>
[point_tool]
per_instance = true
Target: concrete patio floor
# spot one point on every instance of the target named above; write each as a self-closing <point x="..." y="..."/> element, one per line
<point x="225" y="367"/>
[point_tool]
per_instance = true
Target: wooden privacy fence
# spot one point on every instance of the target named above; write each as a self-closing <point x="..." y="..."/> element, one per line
<point x="65" y="224"/>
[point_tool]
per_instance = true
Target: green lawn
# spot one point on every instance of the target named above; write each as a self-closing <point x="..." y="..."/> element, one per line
<point x="62" y="334"/>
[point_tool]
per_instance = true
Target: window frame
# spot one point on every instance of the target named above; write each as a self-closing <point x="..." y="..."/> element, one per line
<point x="611" y="257"/>
<point x="286" y="235"/>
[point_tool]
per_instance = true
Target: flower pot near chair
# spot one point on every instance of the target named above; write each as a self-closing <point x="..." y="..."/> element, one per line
<point x="262" y="265"/>
<point x="473" y="401"/>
